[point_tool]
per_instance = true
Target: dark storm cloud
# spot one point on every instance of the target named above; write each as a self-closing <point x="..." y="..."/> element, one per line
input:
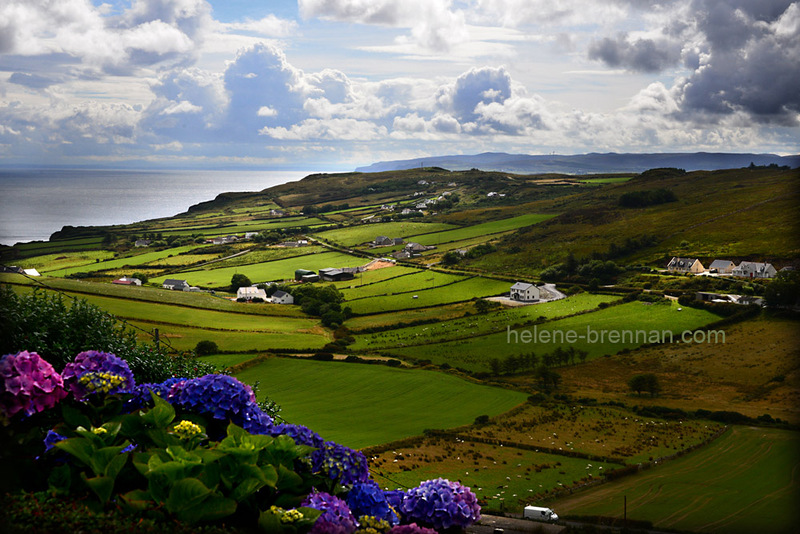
<point x="642" y="55"/>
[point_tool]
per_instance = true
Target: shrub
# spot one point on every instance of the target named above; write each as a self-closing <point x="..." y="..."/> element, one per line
<point x="205" y="348"/>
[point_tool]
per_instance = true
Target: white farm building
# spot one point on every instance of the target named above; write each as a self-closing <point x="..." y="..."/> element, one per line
<point x="525" y="292"/>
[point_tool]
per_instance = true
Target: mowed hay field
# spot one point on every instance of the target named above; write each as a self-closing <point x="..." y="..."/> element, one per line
<point x="746" y="481"/>
<point x="361" y="404"/>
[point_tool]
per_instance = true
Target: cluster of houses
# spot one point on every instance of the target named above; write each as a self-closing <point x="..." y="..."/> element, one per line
<point x="383" y="241"/>
<point x="19" y="270"/>
<point x="411" y="250"/>
<point x="746" y="269"/>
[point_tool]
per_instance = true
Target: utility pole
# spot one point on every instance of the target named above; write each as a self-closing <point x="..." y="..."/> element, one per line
<point x="155" y="337"/>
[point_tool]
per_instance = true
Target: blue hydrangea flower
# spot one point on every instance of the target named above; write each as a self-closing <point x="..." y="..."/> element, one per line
<point x="141" y="393"/>
<point x="336" y="517"/>
<point x="367" y="498"/>
<point x="95" y="365"/>
<point x="394" y="498"/>
<point x="223" y="398"/>
<point x="340" y="463"/>
<point x="51" y="439"/>
<point x="441" y="504"/>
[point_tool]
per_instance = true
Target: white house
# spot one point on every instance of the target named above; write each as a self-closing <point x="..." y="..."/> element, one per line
<point x="721" y="266"/>
<point x="250" y="293"/>
<point x="524" y="292"/>
<point x="751" y="269"/>
<point x="282" y="297"/>
<point x="179" y="285"/>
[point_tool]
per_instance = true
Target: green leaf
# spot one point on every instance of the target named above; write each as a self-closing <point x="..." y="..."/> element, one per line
<point x="246" y="488"/>
<point x="160" y="415"/>
<point x="136" y="501"/>
<point x="213" y="508"/>
<point x="185" y="494"/>
<point x="102" y="486"/>
<point x="73" y="417"/>
<point x="116" y="464"/>
<point x="80" y="448"/>
<point x="60" y="479"/>
<point x="288" y="480"/>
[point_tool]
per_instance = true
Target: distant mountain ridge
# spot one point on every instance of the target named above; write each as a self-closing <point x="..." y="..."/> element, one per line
<point x="587" y="163"/>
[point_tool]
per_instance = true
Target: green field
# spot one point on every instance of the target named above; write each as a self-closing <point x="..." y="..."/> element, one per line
<point x="483" y="229"/>
<point x="183" y="338"/>
<point x="496" y="321"/>
<point x="266" y="272"/>
<point x="139" y="259"/>
<point x="474" y="353"/>
<point x="411" y="282"/>
<point x="52" y="262"/>
<point x="356" y="235"/>
<point x="746" y="481"/>
<point x="457" y="292"/>
<point x="246" y="226"/>
<point x="360" y="404"/>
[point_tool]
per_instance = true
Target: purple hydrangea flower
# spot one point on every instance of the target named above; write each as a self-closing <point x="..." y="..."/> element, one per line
<point x="300" y="434"/>
<point x="28" y="384"/>
<point x="141" y="393"/>
<point x="413" y="528"/>
<point x="340" y="463"/>
<point x="96" y="368"/>
<point x="336" y="517"/>
<point x="367" y="498"/>
<point x="223" y="398"/>
<point x="441" y="504"/>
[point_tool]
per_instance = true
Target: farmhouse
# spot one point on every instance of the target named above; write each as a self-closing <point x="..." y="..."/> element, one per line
<point x="721" y="266"/>
<point x="250" y="293"/>
<point x="177" y="285"/>
<point x="125" y="281"/>
<point x="751" y="269"/>
<point x="142" y="243"/>
<point x="524" y="292"/>
<point x="685" y="265"/>
<point x="31" y="272"/>
<point x="282" y="297"/>
<point x="383" y="241"/>
<point x="404" y="254"/>
<point x="416" y="247"/>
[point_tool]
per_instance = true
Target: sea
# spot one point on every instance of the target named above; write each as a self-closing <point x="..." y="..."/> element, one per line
<point x="36" y="203"/>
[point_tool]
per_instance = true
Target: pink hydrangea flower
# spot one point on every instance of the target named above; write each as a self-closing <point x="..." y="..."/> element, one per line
<point x="28" y="384"/>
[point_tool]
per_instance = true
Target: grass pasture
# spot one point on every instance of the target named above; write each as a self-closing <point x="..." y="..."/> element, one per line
<point x="483" y="229"/>
<point x="457" y="292"/>
<point x="502" y="477"/>
<point x="361" y="404"/>
<point x="356" y="235"/>
<point x="138" y="259"/>
<point x="47" y="263"/>
<point x="413" y="281"/>
<point x="474" y="353"/>
<point x="745" y="481"/>
<point x="465" y="327"/>
<point x="266" y="272"/>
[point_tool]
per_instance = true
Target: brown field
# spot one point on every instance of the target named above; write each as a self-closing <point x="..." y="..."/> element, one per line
<point x="756" y="371"/>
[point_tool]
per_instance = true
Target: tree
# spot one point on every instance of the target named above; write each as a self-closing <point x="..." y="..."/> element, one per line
<point x="646" y="382"/>
<point x="206" y="347"/>
<point x="141" y="276"/>
<point x="239" y="280"/>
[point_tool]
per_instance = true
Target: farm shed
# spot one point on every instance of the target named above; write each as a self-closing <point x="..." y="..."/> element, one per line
<point x="282" y="297"/>
<point x="685" y="265"/>
<point x="300" y="273"/>
<point x="125" y="281"/>
<point x="525" y="292"/>
<point x="334" y="275"/>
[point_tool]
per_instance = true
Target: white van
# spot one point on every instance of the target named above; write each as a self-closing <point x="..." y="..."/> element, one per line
<point x="538" y="513"/>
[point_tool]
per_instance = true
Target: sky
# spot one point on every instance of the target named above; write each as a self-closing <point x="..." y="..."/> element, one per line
<point x="335" y="84"/>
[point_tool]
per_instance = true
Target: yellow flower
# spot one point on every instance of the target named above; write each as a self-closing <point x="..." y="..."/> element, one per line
<point x="99" y="430"/>
<point x="187" y="430"/>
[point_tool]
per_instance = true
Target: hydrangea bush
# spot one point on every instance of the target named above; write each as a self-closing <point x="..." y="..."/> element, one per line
<point x="158" y="438"/>
<point x="28" y="384"/>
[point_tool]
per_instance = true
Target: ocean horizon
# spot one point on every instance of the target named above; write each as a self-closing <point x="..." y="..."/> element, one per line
<point x="34" y="203"/>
